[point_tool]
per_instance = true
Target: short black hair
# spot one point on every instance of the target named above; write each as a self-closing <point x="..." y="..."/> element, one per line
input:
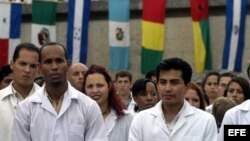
<point x="123" y="73"/>
<point x="5" y="70"/>
<point x="28" y="46"/>
<point x="226" y="74"/>
<point x="150" y="73"/>
<point x="52" y="44"/>
<point x="140" y="86"/>
<point x="175" y="64"/>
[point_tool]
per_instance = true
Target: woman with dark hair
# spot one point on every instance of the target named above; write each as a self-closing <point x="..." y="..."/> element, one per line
<point x="210" y="88"/>
<point x="144" y="94"/>
<point x="99" y="86"/>
<point x="210" y="85"/>
<point x="238" y="90"/>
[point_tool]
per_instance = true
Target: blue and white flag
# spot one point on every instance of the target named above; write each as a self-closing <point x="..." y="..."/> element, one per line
<point x="77" y="36"/>
<point x="10" y="23"/>
<point x="235" y="35"/>
<point x="119" y="38"/>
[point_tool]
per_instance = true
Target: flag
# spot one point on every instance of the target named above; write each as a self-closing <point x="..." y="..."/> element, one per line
<point x="153" y="28"/>
<point x="43" y="28"/>
<point x="200" y="22"/>
<point x="119" y="38"/>
<point x="77" y="34"/>
<point x="235" y="34"/>
<point x="10" y="22"/>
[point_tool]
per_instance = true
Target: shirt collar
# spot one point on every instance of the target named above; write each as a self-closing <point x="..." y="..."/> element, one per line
<point x="18" y="95"/>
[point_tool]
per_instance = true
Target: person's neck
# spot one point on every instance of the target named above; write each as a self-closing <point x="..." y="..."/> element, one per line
<point x="55" y="93"/>
<point x="22" y="90"/>
<point x="125" y="98"/>
<point x="105" y="109"/>
<point x="170" y="111"/>
<point x="211" y="100"/>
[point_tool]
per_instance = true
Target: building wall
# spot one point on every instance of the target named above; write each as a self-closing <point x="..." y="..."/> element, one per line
<point x="178" y="37"/>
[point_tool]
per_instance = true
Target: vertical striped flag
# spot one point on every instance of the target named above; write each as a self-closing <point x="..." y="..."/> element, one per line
<point x="202" y="51"/>
<point x="153" y="14"/>
<point x="235" y="35"/>
<point x="10" y="22"/>
<point x="77" y="34"/>
<point x="43" y="28"/>
<point x="119" y="39"/>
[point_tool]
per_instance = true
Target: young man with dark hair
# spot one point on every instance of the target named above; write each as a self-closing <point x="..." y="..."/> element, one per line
<point x="24" y="64"/>
<point x="173" y="118"/>
<point x="57" y="111"/>
<point x="123" y="86"/>
<point x="224" y="79"/>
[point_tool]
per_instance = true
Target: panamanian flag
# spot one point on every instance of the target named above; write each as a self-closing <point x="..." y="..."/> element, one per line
<point x="235" y="35"/>
<point x="10" y="22"/>
<point x="77" y="34"/>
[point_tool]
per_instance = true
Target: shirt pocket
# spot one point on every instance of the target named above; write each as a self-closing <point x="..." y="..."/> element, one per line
<point x="76" y="132"/>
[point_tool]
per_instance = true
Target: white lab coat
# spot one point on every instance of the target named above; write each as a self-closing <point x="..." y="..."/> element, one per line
<point x="8" y="105"/>
<point x="209" y="108"/>
<point x="79" y="119"/>
<point x="192" y="125"/>
<point x="239" y="114"/>
<point x="118" y="128"/>
<point x="132" y="103"/>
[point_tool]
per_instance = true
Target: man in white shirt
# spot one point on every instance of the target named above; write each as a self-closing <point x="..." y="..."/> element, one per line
<point x="123" y="85"/>
<point x="238" y="115"/>
<point x="173" y="118"/>
<point x="24" y="65"/>
<point x="57" y="112"/>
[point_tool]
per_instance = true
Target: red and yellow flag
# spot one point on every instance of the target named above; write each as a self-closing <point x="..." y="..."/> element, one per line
<point x="202" y="51"/>
<point x="153" y="29"/>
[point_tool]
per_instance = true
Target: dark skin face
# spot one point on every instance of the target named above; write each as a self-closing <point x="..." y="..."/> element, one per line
<point x="54" y="66"/>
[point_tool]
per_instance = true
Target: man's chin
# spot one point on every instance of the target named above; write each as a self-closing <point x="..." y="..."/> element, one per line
<point x="56" y="83"/>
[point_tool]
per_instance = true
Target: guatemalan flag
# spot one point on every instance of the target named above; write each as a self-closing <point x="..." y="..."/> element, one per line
<point x="235" y="34"/>
<point x="119" y="34"/>
<point x="77" y="36"/>
<point x="10" y="22"/>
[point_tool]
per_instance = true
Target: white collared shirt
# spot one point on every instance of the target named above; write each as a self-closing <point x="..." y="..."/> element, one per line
<point x="79" y="119"/>
<point x="118" y="128"/>
<point x="171" y="125"/>
<point x="238" y="115"/>
<point x="192" y="124"/>
<point x="9" y="100"/>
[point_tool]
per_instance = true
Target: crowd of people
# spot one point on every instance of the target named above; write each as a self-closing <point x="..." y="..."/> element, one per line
<point x="43" y="96"/>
